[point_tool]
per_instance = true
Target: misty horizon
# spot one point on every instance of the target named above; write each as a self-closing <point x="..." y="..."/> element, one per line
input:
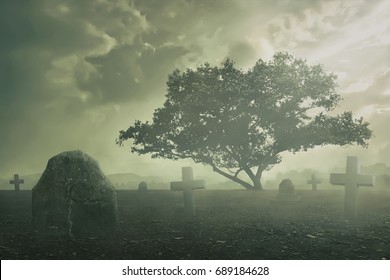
<point x="215" y="181"/>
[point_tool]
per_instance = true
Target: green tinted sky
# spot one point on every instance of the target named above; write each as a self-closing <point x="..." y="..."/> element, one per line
<point x="73" y="73"/>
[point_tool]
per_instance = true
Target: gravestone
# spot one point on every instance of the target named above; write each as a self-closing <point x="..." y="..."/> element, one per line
<point x="187" y="186"/>
<point x="73" y="197"/>
<point x="142" y="187"/>
<point x="16" y="182"/>
<point x="313" y="182"/>
<point x="287" y="191"/>
<point x="351" y="180"/>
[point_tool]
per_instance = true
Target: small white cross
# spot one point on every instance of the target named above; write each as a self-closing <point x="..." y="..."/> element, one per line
<point x="351" y="180"/>
<point x="187" y="185"/>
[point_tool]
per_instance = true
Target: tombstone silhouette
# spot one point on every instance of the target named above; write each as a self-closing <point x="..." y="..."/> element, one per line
<point x="16" y="182"/>
<point x="287" y="191"/>
<point x="143" y="187"/>
<point x="352" y="180"/>
<point x="313" y="182"/>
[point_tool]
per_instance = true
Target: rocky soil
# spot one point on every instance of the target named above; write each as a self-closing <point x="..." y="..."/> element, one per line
<point x="228" y="225"/>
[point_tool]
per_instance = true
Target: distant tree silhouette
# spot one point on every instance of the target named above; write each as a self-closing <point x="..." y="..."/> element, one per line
<point x="241" y="121"/>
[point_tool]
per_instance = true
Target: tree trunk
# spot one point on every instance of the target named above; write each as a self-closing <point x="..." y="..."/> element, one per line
<point x="257" y="184"/>
<point x="256" y="180"/>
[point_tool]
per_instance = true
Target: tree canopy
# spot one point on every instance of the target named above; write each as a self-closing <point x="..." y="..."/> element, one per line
<point x="241" y="121"/>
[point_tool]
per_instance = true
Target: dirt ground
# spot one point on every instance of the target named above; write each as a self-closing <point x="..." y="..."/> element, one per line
<point x="228" y="225"/>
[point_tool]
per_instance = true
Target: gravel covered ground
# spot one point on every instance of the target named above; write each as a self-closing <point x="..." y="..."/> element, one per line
<point x="228" y="225"/>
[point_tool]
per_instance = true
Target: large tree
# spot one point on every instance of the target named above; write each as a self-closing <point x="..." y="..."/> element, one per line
<point x="241" y="121"/>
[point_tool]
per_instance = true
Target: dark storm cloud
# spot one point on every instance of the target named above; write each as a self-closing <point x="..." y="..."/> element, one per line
<point x="73" y="72"/>
<point x="206" y="28"/>
<point x="64" y="65"/>
<point x="44" y="50"/>
<point x="49" y="39"/>
<point x="134" y="71"/>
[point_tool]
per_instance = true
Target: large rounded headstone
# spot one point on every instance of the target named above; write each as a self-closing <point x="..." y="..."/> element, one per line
<point x="286" y="187"/>
<point x="287" y="190"/>
<point x="74" y="197"/>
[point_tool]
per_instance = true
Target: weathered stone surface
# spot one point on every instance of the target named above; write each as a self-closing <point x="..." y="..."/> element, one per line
<point x="74" y="197"/>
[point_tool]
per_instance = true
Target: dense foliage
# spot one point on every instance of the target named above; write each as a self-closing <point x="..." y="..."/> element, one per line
<point x="240" y="121"/>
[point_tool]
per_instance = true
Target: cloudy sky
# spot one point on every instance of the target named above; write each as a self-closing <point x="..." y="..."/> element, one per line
<point x="73" y="73"/>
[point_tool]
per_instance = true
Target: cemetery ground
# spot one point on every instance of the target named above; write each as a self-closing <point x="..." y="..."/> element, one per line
<point x="234" y="224"/>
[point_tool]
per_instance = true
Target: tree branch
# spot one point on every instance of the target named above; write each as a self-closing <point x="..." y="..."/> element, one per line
<point x="237" y="172"/>
<point x="234" y="156"/>
<point x="250" y="173"/>
<point x="233" y="178"/>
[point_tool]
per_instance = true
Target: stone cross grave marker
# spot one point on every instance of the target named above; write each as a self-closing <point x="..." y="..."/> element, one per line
<point x="187" y="185"/>
<point x="16" y="182"/>
<point x="313" y="182"/>
<point x="351" y="180"/>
